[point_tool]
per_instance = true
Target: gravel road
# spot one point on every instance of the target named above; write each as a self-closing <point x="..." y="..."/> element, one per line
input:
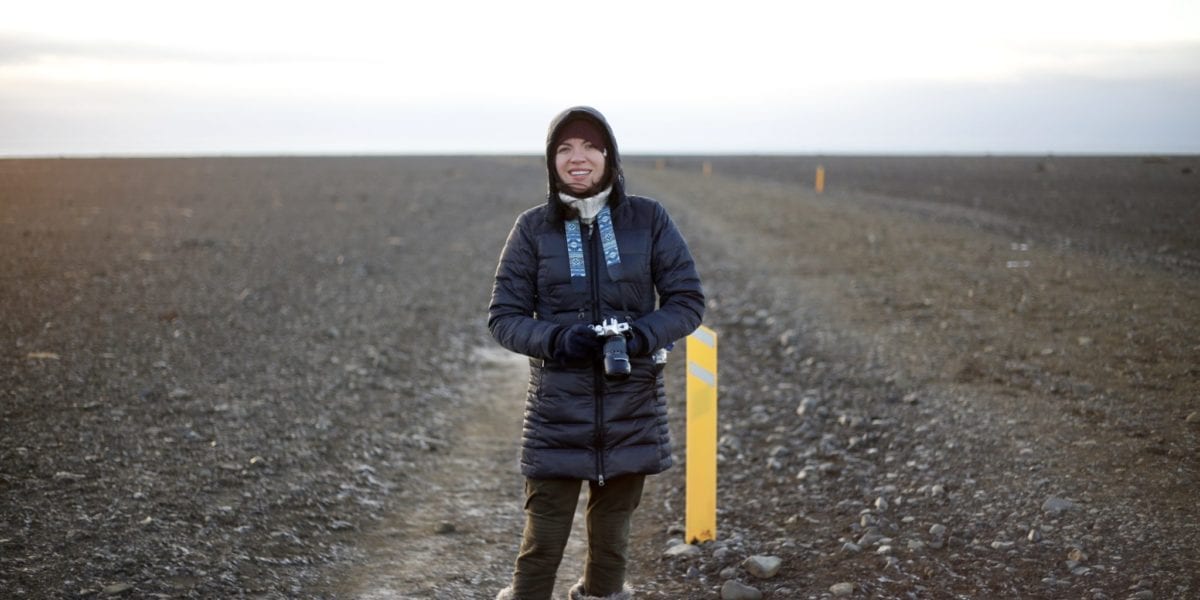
<point x="270" y="377"/>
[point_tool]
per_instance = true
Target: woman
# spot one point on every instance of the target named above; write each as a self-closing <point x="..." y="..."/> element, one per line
<point x="590" y="254"/>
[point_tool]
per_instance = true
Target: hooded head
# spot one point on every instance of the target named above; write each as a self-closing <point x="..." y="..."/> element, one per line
<point x="586" y="123"/>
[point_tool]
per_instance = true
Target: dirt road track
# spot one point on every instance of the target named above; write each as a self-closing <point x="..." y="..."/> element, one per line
<point x="454" y="535"/>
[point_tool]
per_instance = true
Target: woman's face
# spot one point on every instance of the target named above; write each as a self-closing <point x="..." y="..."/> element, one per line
<point x="580" y="165"/>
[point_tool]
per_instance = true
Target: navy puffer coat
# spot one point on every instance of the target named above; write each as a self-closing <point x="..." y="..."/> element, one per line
<point x="578" y="424"/>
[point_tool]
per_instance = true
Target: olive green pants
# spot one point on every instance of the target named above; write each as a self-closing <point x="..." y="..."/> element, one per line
<point x="549" y="511"/>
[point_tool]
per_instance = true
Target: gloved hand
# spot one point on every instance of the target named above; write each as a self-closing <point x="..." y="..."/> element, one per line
<point x="577" y="342"/>
<point x="636" y="343"/>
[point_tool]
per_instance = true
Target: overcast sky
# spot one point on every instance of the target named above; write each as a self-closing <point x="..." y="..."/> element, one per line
<point x="838" y="76"/>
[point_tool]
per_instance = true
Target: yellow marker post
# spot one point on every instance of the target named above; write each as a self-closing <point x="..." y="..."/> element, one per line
<point x="701" y="520"/>
<point x="820" y="185"/>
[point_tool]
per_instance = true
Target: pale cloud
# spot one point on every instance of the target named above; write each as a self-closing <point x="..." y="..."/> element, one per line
<point x="466" y="76"/>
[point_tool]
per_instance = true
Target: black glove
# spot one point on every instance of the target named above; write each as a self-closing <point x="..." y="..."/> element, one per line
<point x="636" y="344"/>
<point x="577" y="342"/>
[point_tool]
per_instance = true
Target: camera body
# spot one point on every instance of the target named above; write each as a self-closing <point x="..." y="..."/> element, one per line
<point x="616" y="352"/>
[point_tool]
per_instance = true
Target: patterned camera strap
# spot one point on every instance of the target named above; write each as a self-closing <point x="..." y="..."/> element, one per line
<point x="608" y="238"/>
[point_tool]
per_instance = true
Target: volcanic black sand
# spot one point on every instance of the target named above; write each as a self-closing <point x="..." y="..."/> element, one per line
<point x="271" y="377"/>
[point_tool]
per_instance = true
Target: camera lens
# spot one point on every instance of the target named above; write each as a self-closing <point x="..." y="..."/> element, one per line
<point x="616" y="358"/>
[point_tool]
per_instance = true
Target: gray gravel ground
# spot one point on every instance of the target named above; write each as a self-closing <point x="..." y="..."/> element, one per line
<point x="270" y="378"/>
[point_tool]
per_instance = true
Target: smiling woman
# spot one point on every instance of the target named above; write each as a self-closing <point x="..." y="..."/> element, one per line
<point x="594" y="285"/>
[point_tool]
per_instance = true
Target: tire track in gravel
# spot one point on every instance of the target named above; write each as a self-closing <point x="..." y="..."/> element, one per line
<point x="456" y="535"/>
<point x="879" y="297"/>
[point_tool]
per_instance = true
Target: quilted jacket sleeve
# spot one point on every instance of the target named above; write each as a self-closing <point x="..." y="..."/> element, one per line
<point x="681" y="299"/>
<point x="514" y="296"/>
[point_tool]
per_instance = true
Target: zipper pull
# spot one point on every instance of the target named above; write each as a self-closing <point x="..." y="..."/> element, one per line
<point x="601" y="482"/>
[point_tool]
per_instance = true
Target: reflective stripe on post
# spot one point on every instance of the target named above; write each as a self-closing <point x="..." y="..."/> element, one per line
<point x="701" y="520"/>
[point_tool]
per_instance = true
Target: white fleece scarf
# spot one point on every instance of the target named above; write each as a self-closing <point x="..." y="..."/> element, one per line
<point x="588" y="207"/>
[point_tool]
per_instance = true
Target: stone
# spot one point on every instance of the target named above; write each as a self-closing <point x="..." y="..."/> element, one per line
<point x="851" y="548"/>
<point x="841" y="590"/>
<point x="807" y="405"/>
<point x="1055" y="505"/>
<point x="1002" y="545"/>
<point x="1194" y="417"/>
<point x="937" y="535"/>
<point x="869" y="539"/>
<point x="881" y="504"/>
<point x="1035" y="535"/>
<point x="735" y="590"/>
<point x="1142" y="595"/>
<point x="762" y="567"/>
<point x="116" y="588"/>
<point x="683" y="551"/>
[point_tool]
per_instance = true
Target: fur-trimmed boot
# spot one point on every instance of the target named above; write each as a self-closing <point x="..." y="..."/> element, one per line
<point x="576" y="593"/>
<point x="505" y="594"/>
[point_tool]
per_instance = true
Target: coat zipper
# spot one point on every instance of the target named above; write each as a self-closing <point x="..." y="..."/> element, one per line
<point x="597" y="378"/>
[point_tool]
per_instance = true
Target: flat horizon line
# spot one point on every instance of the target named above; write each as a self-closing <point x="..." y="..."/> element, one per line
<point x="625" y="155"/>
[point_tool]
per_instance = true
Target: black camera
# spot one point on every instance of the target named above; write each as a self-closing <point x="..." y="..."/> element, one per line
<point x="616" y="354"/>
